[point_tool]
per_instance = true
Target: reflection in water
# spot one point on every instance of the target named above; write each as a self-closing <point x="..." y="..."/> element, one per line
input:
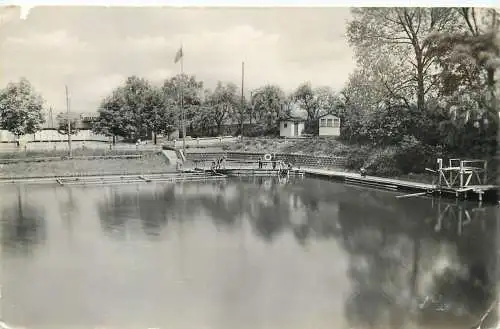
<point x="68" y="207"/>
<point x="23" y="225"/>
<point x="357" y="254"/>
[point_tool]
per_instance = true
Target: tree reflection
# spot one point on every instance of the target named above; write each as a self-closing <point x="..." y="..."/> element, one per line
<point x="393" y="245"/>
<point x="67" y="208"/>
<point x="23" y="226"/>
<point x="456" y="299"/>
<point x="115" y="211"/>
<point x="152" y="208"/>
<point x="155" y="208"/>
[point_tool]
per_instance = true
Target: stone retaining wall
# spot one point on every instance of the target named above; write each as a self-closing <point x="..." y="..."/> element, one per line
<point x="296" y="159"/>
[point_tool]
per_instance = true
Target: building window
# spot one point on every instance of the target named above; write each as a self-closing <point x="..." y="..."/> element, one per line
<point x="329" y="123"/>
<point x="322" y="122"/>
<point x="285" y="125"/>
<point x="336" y="123"/>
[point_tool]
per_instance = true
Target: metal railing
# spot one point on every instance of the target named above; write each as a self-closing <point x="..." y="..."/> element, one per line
<point x="239" y="164"/>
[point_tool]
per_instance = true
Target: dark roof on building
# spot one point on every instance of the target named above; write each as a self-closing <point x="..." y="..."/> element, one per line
<point x="293" y="118"/>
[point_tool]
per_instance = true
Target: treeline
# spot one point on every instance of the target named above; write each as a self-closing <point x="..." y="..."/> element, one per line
<point x="138" y="107"/>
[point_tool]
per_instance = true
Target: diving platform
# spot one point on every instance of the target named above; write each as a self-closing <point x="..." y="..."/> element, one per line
<point x="464" y="178"/>
<point x="467" y="180"/>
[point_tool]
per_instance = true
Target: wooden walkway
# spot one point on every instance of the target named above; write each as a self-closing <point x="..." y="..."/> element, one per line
<point x="328" y="173"/>
<point x="475" y="192"/>
<point x="380" y="180"/>
<point x="478" y="192"/>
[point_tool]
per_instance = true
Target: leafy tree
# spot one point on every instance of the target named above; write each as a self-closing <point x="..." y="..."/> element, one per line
<point x="109" y="121"/>
<point x="240" y="113"/>
<point x="222" y="103"/>
<point x="136" y="94"/>
<point x="468" y="59"/>
<point x="21" y="108"/>
<point x="127" y="112"/>
<point x="304" y="96"/>
<point x="316" y="102"/>
<point x="397" y="38"/>
<point x="203" y="124"/>
<point x="327" y="100"/>
<point x="361" y="96"/>
<point x="268" y="107"/>
<point x="160" y="114"/>
<point x="192" y="91"/>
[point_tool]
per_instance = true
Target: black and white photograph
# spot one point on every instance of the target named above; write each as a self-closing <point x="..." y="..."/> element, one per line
<point x="249" y="167"/>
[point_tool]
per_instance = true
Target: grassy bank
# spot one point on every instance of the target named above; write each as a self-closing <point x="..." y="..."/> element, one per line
<point x="64" y="153"/>
<point x="150" y="162"/>
<point x="327" y="147"/>
<point x="407" y="160"/>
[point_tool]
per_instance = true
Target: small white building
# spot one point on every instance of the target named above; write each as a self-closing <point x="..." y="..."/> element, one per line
<point x="292" y="127"/>
<point x="329" y="125"/>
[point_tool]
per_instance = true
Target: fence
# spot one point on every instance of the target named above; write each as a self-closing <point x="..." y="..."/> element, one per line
<point x="75" y="145"/>
<point x="51" y="135"/>
<point x="205" y="141"/>
<point x="295" y="159"/>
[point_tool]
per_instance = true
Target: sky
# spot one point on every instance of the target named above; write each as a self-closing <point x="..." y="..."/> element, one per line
<point x="94" y="49"/>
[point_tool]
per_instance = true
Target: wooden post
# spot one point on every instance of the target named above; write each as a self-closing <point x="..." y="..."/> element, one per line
<point x="440" y="167"/>
<point x="451" y="172"/>
<point x="485" y="174"/>
<point x="461" y="174"/>
<point x="460" y="220"/>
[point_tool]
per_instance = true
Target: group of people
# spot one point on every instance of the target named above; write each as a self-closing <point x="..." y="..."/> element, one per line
<point x="218" y="163"/>
<point x="274" y="162"/>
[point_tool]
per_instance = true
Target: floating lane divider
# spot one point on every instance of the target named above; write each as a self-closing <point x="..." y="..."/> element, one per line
<point x="172" y="177"/>
<point x="117" y="179"/>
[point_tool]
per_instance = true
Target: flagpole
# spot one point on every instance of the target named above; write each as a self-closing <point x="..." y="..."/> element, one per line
<point x="68" y="121"/>
<point x="183" y="115"/>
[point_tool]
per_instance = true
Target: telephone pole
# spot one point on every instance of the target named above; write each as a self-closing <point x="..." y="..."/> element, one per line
<point x="51" y="118"/>
<point x="68" y="122"/>
<point x="242" y="117"/>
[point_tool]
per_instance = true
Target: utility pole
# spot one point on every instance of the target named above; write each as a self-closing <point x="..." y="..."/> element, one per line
<point x="242" y="118"/>
<point x="183" y="112"/>
<point x="51" y="118"/>
<point x="68" y="122"/>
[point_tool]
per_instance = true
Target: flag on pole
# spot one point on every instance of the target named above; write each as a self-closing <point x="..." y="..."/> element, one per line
<point x="178" y="55"/>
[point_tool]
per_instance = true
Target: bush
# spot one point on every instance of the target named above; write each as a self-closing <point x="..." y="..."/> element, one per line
<point x="414" y="156"/>
<point x="356" y="158"/>
<point x="382" y="162"/>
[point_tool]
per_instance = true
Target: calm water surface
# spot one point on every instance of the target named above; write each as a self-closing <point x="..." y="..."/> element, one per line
<point x="242" y="254"/>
